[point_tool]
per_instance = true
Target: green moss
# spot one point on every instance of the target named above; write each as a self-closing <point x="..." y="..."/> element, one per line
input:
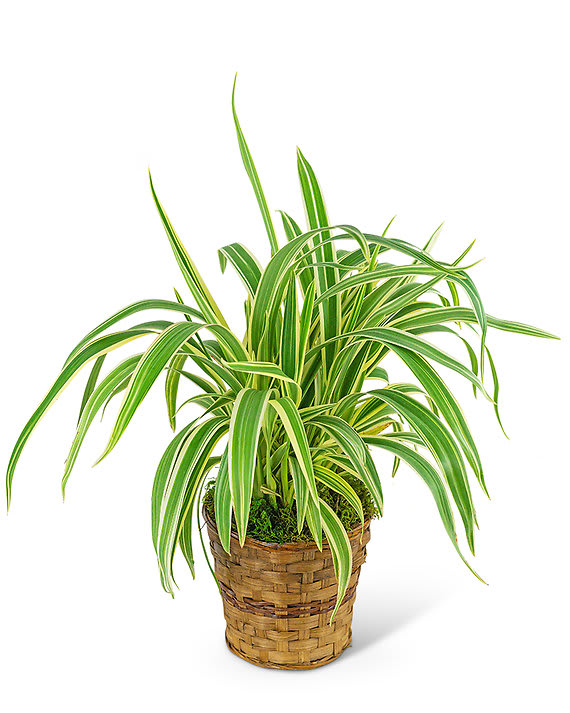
<point x="270" y="523"/>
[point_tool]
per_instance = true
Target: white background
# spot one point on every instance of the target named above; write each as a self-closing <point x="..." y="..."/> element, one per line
<point x="431" y="111"/>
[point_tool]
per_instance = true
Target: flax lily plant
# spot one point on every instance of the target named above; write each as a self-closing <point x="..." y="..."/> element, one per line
<point x="288" y="406"/>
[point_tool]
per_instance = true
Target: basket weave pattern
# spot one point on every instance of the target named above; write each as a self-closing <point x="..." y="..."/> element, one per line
<point x="278" y="599"/>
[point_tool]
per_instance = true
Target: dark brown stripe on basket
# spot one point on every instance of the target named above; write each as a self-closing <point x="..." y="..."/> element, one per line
<point x="291" y="610"/>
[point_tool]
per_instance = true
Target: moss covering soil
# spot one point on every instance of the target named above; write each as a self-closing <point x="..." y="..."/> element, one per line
<point x="277" y="523"/>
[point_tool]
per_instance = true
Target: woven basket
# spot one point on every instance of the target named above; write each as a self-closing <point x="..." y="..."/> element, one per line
<point x="278" y="599"/>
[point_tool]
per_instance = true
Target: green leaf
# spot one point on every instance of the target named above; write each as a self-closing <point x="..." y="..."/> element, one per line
<point x="293" y="424"/>
<point x="447" y="404"/>
<point x="200" y="382"/>
<point x="94" y="349"/>
<point x="290" y="332"/>
<point x="292" y="231"/>
<point x="274" y="279"/>
<point x="176" y="486"/>
<point x="392" y="337"/>
<point x="200" y="292"/>
<point x="245" y="427"/>
<point x="380" y="273"/>
<point x="304" y="329"/>
<point x="437" y="315"/>
<point x="495" y="389"/>
<point x="229" y="343"/>
<point x="96" y="400"/>
<point x="254" y="178"/>
<point x="218" y="372"/>
<point x="185" y="538"/>
<point x="261" y="368"/>
<point x="162" y="476"/>
<point x="127" y="312"/>
<point x="91" y="382"/>
<point x="223" y="503"/>
<point x="301" y="497"/>
<point x="325" y="277"/>
<point x="410" y="250"/>
<point x="442" y="446"/>
<point x="355" y="448"/>
<point x="212" y="403"/>
<point x="378" y="373"/>
<point x="341" y="551"/>
<point x="336" y="482"/>
<point x="245" y="265"/>
<point x="149" y="367"/>
<point x="431" y="478"/>
<point x="171" y="387"/>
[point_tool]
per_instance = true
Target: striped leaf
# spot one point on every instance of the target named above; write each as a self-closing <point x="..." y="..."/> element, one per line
<point x="325" y="277"/>
<point x="341" y="551"/>
<point x="127" y="312"/>
<point x="94" y="349"/>
<point x="200" y="292"/>
<point x="254" y="178"/>
<point x="339" y="485"/>
<point x="397" y="338"/>
<point x="261" y="368"/>
<point x="442" y="446"/>
<point x="447" y="404"/>
<point x="199" y="381"/>
<point x="439" y="315"/>
<point x="245" y="265"/>
<point x="171" y="386"/>
<point x="245" y="426"/>
<point x="91" y="382"/>
<point x="96" y="400"/>
<point x="304" y="329"/>
<point x="174" y="495"/>
<point x="149" y="367"/>
<point x="355" y="448"/>
<point x="223" y="503"/>
<point x="301" y="496"/>
<point x="431" y="478"/>
<point x="292" y="231"/>
<point x="293" y="424"/>
<point x="290" y="332"/>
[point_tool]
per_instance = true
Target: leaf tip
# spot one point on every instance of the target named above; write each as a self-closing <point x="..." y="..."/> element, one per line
<point x="103" y="455"/>
<point x="234" y="96"/>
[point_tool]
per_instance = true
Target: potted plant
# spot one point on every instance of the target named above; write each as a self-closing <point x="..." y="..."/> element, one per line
<point x="290" y="413"/>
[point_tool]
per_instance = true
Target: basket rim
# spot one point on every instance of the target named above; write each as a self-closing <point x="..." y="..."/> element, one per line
<point x="283" y="546"/>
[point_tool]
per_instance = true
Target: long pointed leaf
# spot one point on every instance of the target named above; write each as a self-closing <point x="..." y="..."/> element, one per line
<point x="341" y="551"/>
<point x="442" y="446"/>
<point x="245" y="427"/>
<point x="431" y="478"/>
<point x="94" y="403"/>
<point x="152" y="363"/>
<point x="254" y="178"/>
<point x="200" y="292"/>
<point x="96" y="348"/>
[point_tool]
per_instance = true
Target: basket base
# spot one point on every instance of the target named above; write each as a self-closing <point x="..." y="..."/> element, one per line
<point x="289" y="667"/>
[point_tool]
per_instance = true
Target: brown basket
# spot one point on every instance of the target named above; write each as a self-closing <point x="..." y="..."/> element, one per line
<point x="278" y="599"/>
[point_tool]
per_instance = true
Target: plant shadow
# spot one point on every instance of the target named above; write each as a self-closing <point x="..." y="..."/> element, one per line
<point x="379" y="617"/>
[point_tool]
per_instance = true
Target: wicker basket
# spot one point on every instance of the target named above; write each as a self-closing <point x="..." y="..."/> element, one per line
<point x="278" y="599"/>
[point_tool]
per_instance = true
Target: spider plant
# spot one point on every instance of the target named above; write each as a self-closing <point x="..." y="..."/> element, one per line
<point x="290" y="405"/>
